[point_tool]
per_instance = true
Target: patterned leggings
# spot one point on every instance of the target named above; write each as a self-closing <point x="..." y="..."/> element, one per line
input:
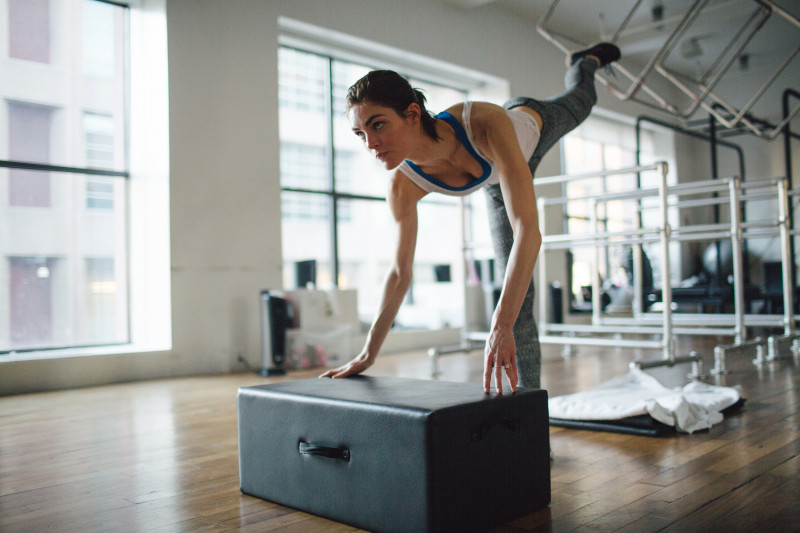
<point x="560" y="115"/>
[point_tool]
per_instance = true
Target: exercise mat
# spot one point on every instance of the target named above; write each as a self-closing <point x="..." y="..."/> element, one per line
<point x="636" y="403"/>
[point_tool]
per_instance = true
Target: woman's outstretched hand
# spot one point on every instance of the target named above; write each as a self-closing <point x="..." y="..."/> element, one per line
<point x="354" y="367"/>
<point x="500" y="354"/>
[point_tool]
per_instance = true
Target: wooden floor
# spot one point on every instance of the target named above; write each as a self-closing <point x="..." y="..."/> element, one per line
<point x="162" y="456"/>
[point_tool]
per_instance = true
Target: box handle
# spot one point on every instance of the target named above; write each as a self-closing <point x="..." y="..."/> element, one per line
<point x="512" y="424"/>
<point x="308" y="448"/>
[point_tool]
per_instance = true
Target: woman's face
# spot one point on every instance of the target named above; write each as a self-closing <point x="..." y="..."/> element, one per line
<point x="385" y="133"/>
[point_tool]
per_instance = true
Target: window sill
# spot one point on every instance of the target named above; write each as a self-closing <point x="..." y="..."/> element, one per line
<point x="89" y="351"/>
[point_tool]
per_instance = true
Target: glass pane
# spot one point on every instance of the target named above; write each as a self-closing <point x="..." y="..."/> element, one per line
<point x="357" y="170"/>
<point x="45" y="37"/>
<point x="99" y="193"/>
<point x="102" y="301"/>
<point x="63" y="269"/>
<point x="98" y="39"/>
<point x="366" y="249"/>
<point x="306" y="234"/>
<point x="98" y="133"/>
<point x="479" y="237"/>
<point x="304" y="166"/>
<point x="304" y="124"/>
<point x="437" y="294"/>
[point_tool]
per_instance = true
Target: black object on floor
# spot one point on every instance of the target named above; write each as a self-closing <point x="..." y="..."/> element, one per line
<point x="644" y="425"/>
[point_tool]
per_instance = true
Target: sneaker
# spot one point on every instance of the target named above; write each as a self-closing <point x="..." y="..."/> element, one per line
<point x="605" y="52"/>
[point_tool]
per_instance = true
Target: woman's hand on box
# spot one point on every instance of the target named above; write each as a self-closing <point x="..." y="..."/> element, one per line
<point x="500" y="354"/>
<point x="354" y="367"/>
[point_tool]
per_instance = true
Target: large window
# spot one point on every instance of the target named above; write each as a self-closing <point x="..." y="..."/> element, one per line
<point x="333" y="208"/>
<point x="63" y="157"/>
<point x="601" y="144"/>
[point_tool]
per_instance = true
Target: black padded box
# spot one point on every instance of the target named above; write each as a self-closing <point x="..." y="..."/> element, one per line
<point x="394" y="454"/>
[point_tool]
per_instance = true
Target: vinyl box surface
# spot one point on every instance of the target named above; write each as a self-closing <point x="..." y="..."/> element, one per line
<point x="395" y="454"/>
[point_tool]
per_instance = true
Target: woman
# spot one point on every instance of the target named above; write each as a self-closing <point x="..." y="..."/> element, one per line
<point x="487" y="146"/>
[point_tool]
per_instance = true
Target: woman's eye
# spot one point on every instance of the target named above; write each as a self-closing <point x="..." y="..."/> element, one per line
<point x="378" y="125"/>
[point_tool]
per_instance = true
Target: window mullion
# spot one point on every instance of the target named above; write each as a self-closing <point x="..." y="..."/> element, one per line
<point x="334" y="228"/>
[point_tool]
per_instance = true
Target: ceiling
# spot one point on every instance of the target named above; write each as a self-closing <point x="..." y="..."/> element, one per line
<point x="709" y="47"/>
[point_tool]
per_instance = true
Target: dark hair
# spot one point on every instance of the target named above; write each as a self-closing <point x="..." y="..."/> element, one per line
<point x="389" y="89"/>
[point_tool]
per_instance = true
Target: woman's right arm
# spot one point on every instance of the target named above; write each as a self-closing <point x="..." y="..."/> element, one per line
<point x="402" y="199"/>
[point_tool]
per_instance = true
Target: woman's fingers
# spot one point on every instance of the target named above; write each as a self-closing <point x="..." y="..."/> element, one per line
<point x="498" y="377"/>
<point x="341" y="372"/>
<point x="494" y="369"/>
<point x="500" y="355"/>
<point x="488" y="364"/>
<point x="511" y="374"/>
<point x="356" y="366"/>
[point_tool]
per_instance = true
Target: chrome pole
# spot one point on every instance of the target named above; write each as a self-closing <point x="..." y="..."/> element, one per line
<point x="544" y="292"/>
<point x="573" y="177"/>
<point x="638" y="277"/>
<point x="736" y="255"/>
<point x="666" y="283"/>
<point x="786" y="259"/>
<point x="595" y="270"/>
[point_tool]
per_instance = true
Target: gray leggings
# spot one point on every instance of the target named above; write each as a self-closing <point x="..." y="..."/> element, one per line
<point x="560" y="115"/>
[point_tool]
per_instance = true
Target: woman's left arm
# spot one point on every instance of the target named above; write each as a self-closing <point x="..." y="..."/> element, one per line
<point x="516" y="183"/>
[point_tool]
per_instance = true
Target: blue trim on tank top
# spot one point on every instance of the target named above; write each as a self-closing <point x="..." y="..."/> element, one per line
<point x="462" y="136"/>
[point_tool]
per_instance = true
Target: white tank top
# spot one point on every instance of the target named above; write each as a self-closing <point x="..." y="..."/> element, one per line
<point x="527" y="136"/>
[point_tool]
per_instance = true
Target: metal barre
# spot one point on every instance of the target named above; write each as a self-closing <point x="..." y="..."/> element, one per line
<point x="736" y="231"/>
<point x="687" y="324"/>
<point x="563" y="178"/>
<point x="704" y="187"/>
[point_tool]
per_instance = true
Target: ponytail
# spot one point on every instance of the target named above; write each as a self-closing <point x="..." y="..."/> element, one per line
<point x="428" y="120"/>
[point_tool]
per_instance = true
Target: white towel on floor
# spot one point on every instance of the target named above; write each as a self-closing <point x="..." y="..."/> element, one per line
<point x="690" y="408"/>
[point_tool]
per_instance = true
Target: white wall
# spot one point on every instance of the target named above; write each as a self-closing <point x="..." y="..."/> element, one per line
<point x="224" y="151"/>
